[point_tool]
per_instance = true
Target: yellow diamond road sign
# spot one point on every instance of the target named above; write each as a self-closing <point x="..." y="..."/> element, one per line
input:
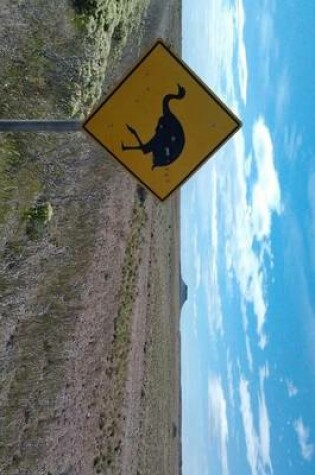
<point x="162" y="122"/>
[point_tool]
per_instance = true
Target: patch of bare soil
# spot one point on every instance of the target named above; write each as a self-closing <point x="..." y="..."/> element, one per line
<point x="89" y="329"/>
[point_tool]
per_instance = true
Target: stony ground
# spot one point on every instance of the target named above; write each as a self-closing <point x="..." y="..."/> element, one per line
<point x="89" y="300"/>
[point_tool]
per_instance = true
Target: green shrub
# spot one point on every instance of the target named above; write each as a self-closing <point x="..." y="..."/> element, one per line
<point x="120" y="31"/>
<point x="37" y="218"/>
<point x="85" y="6"/>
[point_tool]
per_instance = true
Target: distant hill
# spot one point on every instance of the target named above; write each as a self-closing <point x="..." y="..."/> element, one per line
<point x="183" y="291"/>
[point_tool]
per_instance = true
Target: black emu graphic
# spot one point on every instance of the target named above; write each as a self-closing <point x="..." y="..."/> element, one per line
<point x="169" y="139"/>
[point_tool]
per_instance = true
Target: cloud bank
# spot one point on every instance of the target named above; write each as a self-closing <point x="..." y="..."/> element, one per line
<point x="303" y="434"/>
<point x="257" y="441"/>
<point x="292" y="389"/>
<point x="248" y="217"/>
<point x="218" y="420"/>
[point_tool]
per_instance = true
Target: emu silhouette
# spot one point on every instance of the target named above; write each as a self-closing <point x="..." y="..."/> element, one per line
<point x="169" y="139"/>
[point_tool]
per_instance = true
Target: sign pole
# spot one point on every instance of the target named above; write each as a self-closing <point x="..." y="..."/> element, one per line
<point x="40" y="125"/>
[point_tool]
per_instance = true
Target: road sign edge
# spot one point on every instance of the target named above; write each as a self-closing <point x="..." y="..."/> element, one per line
<point x="205" y="87"/>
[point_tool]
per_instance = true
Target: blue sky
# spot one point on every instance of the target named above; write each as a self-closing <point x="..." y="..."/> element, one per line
<point x="247" y="231"/>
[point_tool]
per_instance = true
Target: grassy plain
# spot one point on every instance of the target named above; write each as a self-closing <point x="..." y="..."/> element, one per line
<point x="88" y="304"/>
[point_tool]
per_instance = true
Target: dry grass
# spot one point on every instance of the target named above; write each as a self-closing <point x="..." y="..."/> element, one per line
<point x="44" y="61"/>
<point x="54" y="317"/>
<point x="161" y="388"/>
<point x="110" y="424"/>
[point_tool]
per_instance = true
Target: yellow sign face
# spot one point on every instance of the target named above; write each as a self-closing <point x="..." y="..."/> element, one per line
<point x="162" y="122"/>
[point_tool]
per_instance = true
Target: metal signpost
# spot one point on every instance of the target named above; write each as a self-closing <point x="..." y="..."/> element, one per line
<point x="40" y="125"/>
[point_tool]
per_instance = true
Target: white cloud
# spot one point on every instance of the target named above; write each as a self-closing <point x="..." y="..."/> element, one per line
<point x="229" y="18"/>
<point x="198" y="269"/>
<point x="251" y="438"/>
<point x="241" y="60"/>
<point x="263" y="341"/>
<point x="269" y="45"/>
<point x="247" y="220"/>
<point x="196" y="258"/>
<point x="213" y="293"/>
<point x="214" y="213"/>
<point x="195" y="317"/>
<point x="203" y="193"/>
<point x="292" y="389"/>
<point x="264" y="433"/>
<point x="187" y="224"/>
<point x="282" y="96"/>
<point x="266" y="191"/>
<point x="214" y="304"/>
<point x="257" y="442"/>
<point x="221" y="18"/>
<point x="293" y="141"/>
<point x="249" y="353"/>
<point x="206" y="191"/>
<point x="230" y="380"/>
<point x="264" y="373"/>
<point x="218" y="420"/>
<point x="303" y="433"/>
<point x="264" y="423"/>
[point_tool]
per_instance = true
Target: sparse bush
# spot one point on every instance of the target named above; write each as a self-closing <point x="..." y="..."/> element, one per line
<point x="85" y="6"/>
<point x="120" y="31"/>
<point x="37" y="219"/>
<point x="141" y="194"/>
<point x="96" y="460"/>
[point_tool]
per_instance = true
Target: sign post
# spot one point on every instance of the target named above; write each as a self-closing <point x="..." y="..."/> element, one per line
<point x="40" y="125"/>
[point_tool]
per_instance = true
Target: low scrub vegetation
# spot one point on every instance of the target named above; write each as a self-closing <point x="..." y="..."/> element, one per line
<point x="37" y="219"/>
<point x="106" y="25"/>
